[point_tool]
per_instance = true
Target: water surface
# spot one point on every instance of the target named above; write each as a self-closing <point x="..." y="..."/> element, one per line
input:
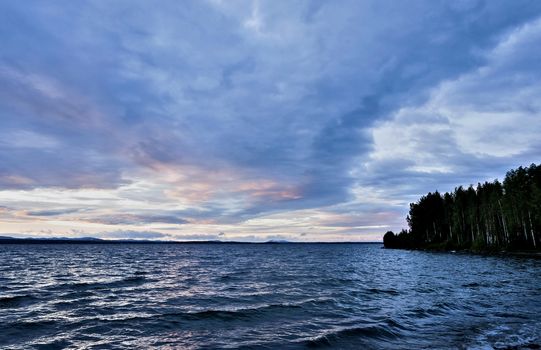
<point x="276" y="296"/>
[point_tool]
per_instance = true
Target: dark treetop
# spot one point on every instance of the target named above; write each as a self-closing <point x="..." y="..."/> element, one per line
<point x="492" y="216"/>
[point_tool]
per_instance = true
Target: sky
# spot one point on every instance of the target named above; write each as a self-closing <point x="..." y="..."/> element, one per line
<point x="257" y="120"/>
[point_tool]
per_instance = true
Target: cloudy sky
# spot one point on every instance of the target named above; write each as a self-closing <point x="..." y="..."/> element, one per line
<point x="256" y="120"/>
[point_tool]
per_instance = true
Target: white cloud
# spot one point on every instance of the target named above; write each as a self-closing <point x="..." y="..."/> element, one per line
<point x="493" y="111"/>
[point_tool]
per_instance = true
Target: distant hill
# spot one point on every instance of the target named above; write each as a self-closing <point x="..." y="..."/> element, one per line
<point x="94" y="240"/>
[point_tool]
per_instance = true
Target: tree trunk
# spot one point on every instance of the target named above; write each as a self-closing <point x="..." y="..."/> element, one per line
<point x="531" y="230"/>
<point x="504" y="224"/>
<point x="524" y="229"/>
<point x="471" y="229"/>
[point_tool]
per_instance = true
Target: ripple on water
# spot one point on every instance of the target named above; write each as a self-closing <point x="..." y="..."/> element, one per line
<point x="255" y="296"/>
<point x="16" y="301"/>
<point x="355" y="336"/>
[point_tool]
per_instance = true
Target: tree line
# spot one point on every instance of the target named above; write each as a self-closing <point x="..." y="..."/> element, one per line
<point x="491" y="216"/>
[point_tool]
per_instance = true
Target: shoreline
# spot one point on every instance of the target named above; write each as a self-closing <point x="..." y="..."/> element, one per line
<point x="510" y="253"/>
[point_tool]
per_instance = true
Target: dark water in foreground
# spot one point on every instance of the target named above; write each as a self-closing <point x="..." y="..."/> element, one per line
<point x="264" y="296"/>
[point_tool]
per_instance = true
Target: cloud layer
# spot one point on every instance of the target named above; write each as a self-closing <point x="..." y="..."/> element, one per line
<point x="305" y="120"/>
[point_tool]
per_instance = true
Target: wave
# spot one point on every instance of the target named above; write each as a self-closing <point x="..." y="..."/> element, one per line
<point x="167" y="319"/>
<point x="121" y="283"/>
<point x="524" y="346"/>
<point x="249" y="312"/>
<point x="17" y="301"/>
<point x="477" y="285"/>
<point x="383" y="291"/>
<point x="337" y="281"/>
<point x="503" y="337"/>
<point x="26" y="326"/>
<point x="386" y="331"/>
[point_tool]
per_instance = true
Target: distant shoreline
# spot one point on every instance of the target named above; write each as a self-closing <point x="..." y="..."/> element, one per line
<point x="13" y="240"/>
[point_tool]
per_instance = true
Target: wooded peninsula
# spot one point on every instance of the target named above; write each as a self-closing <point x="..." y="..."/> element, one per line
<point x="493" y="216"/>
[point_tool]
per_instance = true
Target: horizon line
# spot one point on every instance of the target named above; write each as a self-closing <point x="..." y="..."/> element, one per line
<point x="94" y="240"/>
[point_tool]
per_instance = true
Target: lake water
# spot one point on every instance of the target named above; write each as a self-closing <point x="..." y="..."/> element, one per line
<point x="275" y="296"/>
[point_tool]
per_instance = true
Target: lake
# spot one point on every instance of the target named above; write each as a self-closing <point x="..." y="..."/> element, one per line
<point x="275" y="296"/>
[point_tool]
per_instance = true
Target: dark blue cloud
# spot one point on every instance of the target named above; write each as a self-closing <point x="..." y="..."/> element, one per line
<point x="51" y="212"/>
<point x="136" y="219"/>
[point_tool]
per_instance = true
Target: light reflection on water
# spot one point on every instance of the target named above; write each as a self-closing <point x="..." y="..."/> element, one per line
<point x="275" y="296"/>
